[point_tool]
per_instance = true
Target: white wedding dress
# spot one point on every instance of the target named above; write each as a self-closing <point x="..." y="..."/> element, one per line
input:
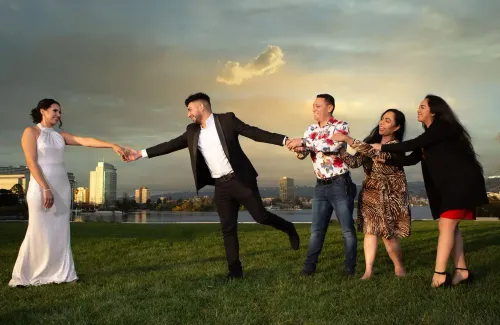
<point x="45" y="255"/>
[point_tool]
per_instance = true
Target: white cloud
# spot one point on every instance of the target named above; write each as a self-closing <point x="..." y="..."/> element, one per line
<point x="268" y="62"/>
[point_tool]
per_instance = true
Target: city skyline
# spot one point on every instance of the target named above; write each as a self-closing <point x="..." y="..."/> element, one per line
<point x="123" y="77"/>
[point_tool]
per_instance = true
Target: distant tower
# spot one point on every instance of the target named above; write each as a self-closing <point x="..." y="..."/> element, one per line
<point x="287" y="189"/>
<point x="142" y="194"/>
<point x="103" y="183"/>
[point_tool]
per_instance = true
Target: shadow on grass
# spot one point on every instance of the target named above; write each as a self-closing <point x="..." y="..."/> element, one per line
<point x="13" y="233"/>
<point x="171" y="264"/>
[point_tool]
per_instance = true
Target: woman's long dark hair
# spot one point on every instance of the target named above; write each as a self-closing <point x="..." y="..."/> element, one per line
<point x="375" y="137"/>
<point x="443" y="112"/>
<point x="44" y="104"/>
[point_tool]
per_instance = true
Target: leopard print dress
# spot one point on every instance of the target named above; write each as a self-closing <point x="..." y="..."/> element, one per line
<point x="383" y="202"/>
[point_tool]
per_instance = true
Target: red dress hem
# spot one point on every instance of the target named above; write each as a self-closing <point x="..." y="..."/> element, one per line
<point x="464" y="214"/>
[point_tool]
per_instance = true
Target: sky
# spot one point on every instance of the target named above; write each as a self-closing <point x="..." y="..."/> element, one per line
<point x="121" y="70"/>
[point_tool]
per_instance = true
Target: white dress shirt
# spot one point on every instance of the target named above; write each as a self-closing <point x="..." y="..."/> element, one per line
<point x="211" y="149"/>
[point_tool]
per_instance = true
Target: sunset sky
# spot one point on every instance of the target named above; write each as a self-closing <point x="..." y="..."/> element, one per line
<point x="122" y="69"/>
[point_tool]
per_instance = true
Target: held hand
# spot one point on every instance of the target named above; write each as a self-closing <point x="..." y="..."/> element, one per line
<point x="300" y="149"/>
<point x="119" y="150"/>
<point x="293" y="143"/>
<point x="339" y="137"/>
<point x="380" y="160"/>
<point x="301" y="155"/>
<point x="376" y="146"/>
<point x="48" y="198"/>
<point x="131" y="155"/>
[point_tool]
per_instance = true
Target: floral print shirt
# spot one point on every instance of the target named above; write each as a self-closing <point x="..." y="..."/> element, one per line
<point x="323" y="150"/>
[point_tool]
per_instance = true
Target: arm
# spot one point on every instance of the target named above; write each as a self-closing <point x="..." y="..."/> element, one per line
<point x="257" y="134"/>
<point x="402" y="160"/>
<point x="437" y="132"/>
<point x="165" y="148"/>
<point x="160" y="149"/>
<point x="325" y="144"/>
<point x="74" y="140"/>
<point x="28" y="143"/>
<point x="353" y="161"/>
<point x="367" y="150"/>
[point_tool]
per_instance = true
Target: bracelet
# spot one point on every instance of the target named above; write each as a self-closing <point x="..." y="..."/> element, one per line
<point x="46" y="189"/>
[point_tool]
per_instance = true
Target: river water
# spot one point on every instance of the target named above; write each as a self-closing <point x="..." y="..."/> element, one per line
<point x="297" y="216"/>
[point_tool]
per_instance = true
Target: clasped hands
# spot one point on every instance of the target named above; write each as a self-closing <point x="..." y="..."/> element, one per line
<point x="297" y="144"/>
<point x="127" y="154"/>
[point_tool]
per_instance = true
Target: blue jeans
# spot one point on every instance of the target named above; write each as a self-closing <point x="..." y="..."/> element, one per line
<point x="339" y="196"/>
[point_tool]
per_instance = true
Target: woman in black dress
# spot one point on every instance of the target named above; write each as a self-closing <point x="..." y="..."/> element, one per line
<point x="453" y="180"/>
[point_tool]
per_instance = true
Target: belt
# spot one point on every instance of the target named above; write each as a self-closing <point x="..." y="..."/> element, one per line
<point x="329" y="180"/>
<point x="225" y="178"/>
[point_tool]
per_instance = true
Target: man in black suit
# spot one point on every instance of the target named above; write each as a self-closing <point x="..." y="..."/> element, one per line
<point x="217" y="159"/>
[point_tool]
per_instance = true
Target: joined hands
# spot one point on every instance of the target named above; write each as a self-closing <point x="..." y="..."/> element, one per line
<point x="294" y="143"/>
<point x="127" y="154"/>
<point x="120" y="151"/>
<point x="131" y="155"/>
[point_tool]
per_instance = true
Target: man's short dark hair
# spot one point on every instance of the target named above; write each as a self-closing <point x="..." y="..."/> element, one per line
<point x="197" y="96"/>
<point x="328" y="99"/>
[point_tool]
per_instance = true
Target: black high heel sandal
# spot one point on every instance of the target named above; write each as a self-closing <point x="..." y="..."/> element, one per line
<point x="464" y="281"/>
<point x="447" y="280"/>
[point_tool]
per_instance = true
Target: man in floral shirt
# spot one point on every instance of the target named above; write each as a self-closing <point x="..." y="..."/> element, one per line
<point x="334" y="188"/>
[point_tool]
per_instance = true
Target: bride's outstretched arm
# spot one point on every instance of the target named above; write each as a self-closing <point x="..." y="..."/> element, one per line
<point x="74" y="140"/>
<point x="28" y="142"/>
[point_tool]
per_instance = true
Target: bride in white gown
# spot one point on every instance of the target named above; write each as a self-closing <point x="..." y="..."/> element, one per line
<point x="45" y="255"/>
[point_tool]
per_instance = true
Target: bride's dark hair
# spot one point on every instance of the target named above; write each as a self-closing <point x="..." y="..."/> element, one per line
<point x="44" y="104"/>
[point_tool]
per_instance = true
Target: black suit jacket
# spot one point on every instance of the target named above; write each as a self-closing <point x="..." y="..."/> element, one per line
<point x="453" y="178"/>
<point x="229" y="127"/>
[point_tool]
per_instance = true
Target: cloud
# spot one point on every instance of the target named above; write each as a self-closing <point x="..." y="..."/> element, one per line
<point x="268" y="62"/>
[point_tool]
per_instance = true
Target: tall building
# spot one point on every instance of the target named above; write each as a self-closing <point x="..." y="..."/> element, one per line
<point x="73" y="184"/>
<point x="82" y="195"/>
<point x="142" y="194"/>
<point x="14" y="175"/>
<point x="287" y="189"/>
<point x="138" y="195"/>
<point x="103" y="181"/>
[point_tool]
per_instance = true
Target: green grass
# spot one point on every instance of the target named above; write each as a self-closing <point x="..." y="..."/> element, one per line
<point x="173" y="274"/>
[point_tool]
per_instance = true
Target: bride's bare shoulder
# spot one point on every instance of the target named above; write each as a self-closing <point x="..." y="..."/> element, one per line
<point x="31" y="131"/>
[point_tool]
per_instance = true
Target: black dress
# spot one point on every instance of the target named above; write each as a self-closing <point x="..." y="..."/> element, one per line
<point x="453" y="178"/>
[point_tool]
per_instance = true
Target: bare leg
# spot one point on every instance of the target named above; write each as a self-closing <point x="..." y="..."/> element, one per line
<point x="394" y="250"/>
<point x="459" y="258"/>
<point x="370" y="247"/>
<point x="445" y="244"/>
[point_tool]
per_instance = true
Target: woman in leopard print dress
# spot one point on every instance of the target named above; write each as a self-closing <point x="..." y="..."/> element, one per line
<point x="383" y="202"/>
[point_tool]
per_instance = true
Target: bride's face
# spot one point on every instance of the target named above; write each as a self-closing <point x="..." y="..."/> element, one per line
<point x="51" y="115"/>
